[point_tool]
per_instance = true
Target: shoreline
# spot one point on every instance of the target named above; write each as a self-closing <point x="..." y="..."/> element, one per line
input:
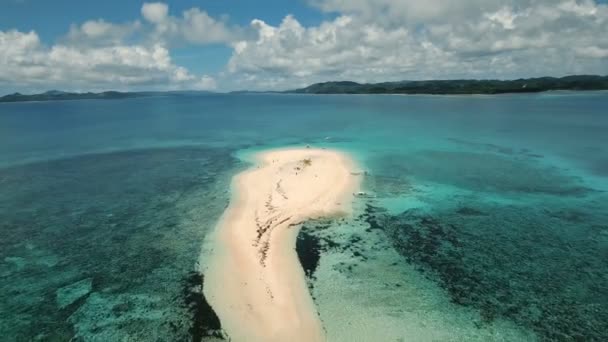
<point x="253" y="279"/>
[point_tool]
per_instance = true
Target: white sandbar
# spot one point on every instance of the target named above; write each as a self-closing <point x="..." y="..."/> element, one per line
<point x="254" y="280"/>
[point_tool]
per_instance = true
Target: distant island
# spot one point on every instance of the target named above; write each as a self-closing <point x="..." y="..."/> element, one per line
<point x="432" y="87"/>
<point x="53" y="95"/>
<point x="461" y="87"/>
<point x="57" y="95"/>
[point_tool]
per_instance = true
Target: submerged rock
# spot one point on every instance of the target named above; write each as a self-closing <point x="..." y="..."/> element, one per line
<point x="73" y="292"/>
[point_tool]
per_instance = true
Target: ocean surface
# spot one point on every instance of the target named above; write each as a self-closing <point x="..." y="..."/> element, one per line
<point x="486" y="217"/>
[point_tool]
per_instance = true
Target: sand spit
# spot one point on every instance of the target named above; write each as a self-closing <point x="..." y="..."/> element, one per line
<point x="254" y="280"/>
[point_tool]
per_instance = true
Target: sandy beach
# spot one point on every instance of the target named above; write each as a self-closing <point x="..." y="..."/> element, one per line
<point x="254" y="280"/>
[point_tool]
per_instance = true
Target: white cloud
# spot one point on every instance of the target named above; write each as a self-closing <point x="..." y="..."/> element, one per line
<point x="155" y="12"/>
<point x="410" y="12"/>
<point x="368" y="41"/>
<point x="98" y="55"/>
<point x="26" y="63"/>
<point x="344" y="48"/>
<point x="594" y="52"/>
<point x="504" y="17"/>
<point x="99" y="32"/>
<point x="15" y="45"/>
<point x="205" y="83"/>
<point x="194" y="26"/>
<point x="376" y="40"/>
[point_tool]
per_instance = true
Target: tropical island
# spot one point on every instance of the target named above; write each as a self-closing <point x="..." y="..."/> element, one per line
<point x="462" y="87"/>
<point x="54" y="95"/>
<point x="57" y="95"/>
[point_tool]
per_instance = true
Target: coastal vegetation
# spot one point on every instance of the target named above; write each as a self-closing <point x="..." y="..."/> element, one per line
<point x="446" y="87"/>
<point x="57" y="95"/>
<point x="62" y="95"/>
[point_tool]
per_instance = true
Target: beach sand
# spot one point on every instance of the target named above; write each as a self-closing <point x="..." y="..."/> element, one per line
<point x="253" y="279"/>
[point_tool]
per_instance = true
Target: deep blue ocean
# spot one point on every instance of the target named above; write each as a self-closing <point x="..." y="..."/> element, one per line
<point x="497" y="204"/>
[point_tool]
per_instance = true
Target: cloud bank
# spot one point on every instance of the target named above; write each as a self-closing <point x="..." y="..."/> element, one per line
<point x="381" y="40"/>
<point x="366" y="41"/>
<point x="26" y="63"/>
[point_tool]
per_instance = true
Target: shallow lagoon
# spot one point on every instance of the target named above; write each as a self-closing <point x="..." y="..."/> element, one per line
<point x="487" y="219"/>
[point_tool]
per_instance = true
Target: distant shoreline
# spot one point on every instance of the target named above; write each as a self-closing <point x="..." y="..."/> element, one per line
<point x="575" y="83"/>
<point x="462" y="87"/>
<point x="55" y="95"/>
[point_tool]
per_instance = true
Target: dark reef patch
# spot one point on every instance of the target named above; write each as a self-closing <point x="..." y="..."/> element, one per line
<point x="469" y="211"/>
<point x="544" y="272"/>
<point x="371" y="214"/>
<point x="205" y="322"/>
<point x="485" y="146"/>
<point x="494" y="148"/>
<point x="130" y="220"/>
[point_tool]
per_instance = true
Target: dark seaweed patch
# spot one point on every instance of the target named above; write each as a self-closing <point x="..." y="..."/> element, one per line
<point x="468" y="211"/>
<point x="485" y="146"/>
<point x="370" y="215"/>
<point x="570" y="215"/>
<point x="205" y="322"/>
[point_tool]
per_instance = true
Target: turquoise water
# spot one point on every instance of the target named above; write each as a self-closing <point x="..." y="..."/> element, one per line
<point x="492" y="208"/>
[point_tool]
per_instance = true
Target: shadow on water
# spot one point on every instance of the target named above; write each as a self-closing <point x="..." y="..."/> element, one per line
<point x="308" y="249"/>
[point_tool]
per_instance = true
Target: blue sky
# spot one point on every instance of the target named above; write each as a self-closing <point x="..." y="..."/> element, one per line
<point x="51" y="20"/>
<point x="273" y="44"/>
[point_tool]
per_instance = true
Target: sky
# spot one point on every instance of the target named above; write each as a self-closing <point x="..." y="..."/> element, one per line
<point x="224" y="45"/>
